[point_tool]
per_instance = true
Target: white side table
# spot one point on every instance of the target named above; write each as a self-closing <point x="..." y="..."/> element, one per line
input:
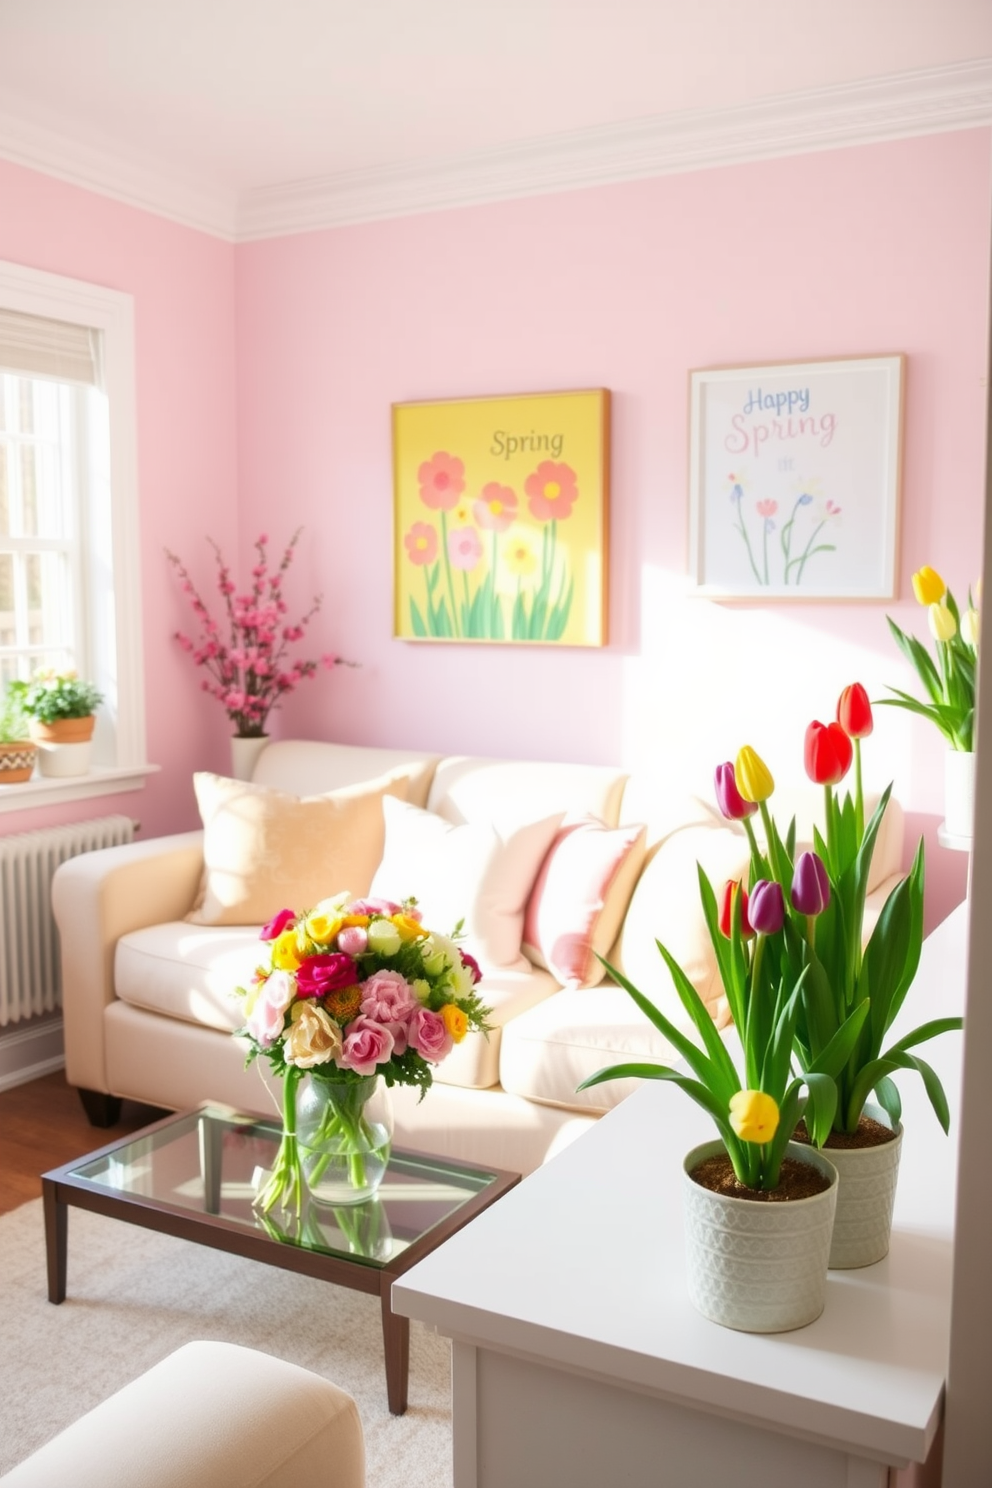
<point x="579" y="1360"/>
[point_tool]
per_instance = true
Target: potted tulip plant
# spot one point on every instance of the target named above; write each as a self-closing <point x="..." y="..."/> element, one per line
<point x="948" y="679"/>
<point x="853" y="987"/>
<point x="758" y="1207"/>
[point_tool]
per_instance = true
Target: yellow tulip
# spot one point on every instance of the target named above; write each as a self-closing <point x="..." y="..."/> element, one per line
<point x="943" y="626"/>
<point x="754" y="779"/>
<point x="928" y="586"/>
<point x="285" y="954"/>
<point x="970" y="627"/>
<point x="753" y="1115"/>
<point x="321" y="927"/>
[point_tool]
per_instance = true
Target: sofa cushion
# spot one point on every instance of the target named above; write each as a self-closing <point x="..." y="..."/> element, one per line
<point x="312" y="767"/>
<point x="507" y="793"/>
<point x="665" y="906"/>
<point x="577" y="904"/>
<point x="472" y="872"/>
<point x="547" y="1052"/>
<point x="188" y="971"/>
<point x="263" y="850"/>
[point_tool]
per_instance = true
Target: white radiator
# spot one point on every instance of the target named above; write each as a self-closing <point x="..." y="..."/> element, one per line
<point x="30" y="977"/>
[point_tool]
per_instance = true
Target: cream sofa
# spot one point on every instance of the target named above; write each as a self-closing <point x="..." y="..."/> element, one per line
<point x="147" y="1002"/>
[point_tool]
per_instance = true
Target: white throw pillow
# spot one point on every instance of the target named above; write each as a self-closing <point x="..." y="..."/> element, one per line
<point x="470" y="871"/>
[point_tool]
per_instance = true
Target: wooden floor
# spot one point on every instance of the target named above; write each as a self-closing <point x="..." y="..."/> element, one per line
<point x="42" y="1126"/>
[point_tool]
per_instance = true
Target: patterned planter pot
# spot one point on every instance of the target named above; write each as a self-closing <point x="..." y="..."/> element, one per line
<point x="755" y="1266"/>
<point x="865" y="1198"/>
<point x="16" y="762"/>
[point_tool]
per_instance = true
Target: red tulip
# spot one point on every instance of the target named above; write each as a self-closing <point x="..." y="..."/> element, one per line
<point x="730" y="888"/>
<point x="828" y="753"/>
<point x="854" y="712"/>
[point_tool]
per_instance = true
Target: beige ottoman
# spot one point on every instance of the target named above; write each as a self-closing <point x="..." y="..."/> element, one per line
<point x="211" y="1415"/>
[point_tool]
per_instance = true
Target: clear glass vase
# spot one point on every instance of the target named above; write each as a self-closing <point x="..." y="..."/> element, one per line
<point x="344" y="1129"/>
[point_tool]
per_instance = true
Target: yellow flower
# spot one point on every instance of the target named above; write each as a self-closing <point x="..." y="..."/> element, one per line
<point x="285" y="953"/>
<point x="455" y="1021"/>
<point x="754" y="779"/>
<point x="753" y="1115"/>
<point x="970" y="628"/>
<point x="943" y="625"/>
<point x="409" y="929"/>
<point x="928" y="586"/>
<point x="322" y="927"/>
<point x="519" y="557"/>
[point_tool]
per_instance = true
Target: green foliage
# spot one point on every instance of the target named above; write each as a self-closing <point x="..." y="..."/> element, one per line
<point x="14" y="720"/>
<point x="50" y="696"/>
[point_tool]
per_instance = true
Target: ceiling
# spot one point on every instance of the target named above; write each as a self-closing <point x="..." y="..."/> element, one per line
<point x="231" y="101"/>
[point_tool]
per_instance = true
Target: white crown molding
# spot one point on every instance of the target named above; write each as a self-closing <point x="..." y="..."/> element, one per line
<point x="936" y="100"/>
<point x="101" y="168"/>
<point x="958" y="96"/>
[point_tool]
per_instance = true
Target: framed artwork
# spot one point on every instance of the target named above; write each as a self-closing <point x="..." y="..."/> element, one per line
<point x="794" y="476"/>
<point x="500" y="519"/>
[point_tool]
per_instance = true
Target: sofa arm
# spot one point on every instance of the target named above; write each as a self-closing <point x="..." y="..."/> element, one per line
<point x="96" y="898"/>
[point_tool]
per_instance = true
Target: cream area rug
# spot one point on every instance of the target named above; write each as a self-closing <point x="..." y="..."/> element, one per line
<point x="134" y="1296"/>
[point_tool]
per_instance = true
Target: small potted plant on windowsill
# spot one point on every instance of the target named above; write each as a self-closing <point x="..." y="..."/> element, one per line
<point x="17" y="750"/>
<point x="61" y="708"/>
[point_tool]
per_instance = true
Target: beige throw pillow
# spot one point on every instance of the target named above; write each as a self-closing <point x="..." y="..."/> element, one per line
<point x="264" y="851"/>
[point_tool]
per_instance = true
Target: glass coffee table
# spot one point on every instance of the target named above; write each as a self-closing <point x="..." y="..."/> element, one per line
<point x="194" y="1175"/>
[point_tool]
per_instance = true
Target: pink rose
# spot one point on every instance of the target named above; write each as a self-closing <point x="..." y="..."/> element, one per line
<point x="366" y="1045"/>
<point x="353" y="940"/>
<point x="372" y="907"/>
<point x="277" y="925"/>
<point x="387" y="997"/>
<point x="267" y="1018"/>
<point x="427" y="1033"/>
<point x="318" y="975"/>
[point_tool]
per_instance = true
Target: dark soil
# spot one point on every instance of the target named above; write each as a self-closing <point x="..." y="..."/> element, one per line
<point x="870" y="1133"/>
<point x="797" y="1180"/>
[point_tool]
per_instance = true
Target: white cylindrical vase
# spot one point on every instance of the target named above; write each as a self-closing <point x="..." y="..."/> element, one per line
<point x="866" y="1194"/>
<point x="244" y="754"/>
<point x="959" y="792"/>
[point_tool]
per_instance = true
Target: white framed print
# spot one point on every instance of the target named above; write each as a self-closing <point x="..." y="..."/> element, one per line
<point x="794" y="479"/>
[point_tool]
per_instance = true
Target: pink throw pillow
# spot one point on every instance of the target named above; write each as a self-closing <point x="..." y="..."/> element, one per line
<point x="580" y="897"/>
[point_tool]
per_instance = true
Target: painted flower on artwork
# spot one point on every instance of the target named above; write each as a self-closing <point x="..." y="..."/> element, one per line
<point x="520" y="557"/>
<point x="464" y="547"/>
<point x="496" y="507"/>
<point x="442" y="481"/>
<point x="552" y="491"/>
<point x="421" y="543"/>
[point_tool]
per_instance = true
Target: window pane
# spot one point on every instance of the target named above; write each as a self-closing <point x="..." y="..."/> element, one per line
<point x="6" y="591"/>
<point x="4" y="496"/>
<point x="48" y="596"/>
<point x="25" y="390"/>
<point x="29" y="491"/>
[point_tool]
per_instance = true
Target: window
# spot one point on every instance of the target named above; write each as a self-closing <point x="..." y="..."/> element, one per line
<point x="69" y="595"/>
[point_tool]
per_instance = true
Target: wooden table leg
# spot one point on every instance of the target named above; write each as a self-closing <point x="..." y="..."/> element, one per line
<point x="56" y="1239"/>
<point x="396" y="1345"/>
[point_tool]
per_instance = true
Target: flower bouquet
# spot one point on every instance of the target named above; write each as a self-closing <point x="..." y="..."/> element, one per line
<point x="354" y="991"/>
<point x="249" y="670"/>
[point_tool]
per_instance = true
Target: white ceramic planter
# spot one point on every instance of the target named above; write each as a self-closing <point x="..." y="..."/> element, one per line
<point x="866" y="1193"/>
<point x="64" y="760"/>
<point x="959" y="793"/>
<point x="755" y="1266"/>
<point x="244" y="755"/>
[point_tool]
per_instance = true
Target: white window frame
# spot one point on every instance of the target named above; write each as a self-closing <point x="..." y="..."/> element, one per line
<point x="114" y="614"/>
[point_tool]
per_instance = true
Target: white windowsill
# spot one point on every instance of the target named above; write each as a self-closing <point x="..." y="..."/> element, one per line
<point x="48" y="791"/>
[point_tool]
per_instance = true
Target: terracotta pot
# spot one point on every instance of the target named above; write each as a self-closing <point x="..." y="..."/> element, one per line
<point x="16" y="762"/>
<point x="64" y="747"/>
<point x="64" y="730"/>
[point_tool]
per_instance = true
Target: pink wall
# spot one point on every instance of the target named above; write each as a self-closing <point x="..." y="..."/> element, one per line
<point x="871" y="250"/>
<point x="183" y="287"/>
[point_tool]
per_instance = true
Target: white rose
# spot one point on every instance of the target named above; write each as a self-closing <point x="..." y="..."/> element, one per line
<point x="313" y="1038"/>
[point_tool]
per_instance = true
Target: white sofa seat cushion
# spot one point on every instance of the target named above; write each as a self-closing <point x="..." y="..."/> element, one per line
<point x="547" y="1052"/>
<point x="508" y="992"/>
<point x="188" y="971"/>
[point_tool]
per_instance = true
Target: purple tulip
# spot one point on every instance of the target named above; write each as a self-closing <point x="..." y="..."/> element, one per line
<point x="728" y="797"/>
<point x="766" y="909"/>
<point x="810" y="885"/>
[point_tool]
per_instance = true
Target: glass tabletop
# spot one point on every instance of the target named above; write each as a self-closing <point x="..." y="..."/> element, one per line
<point x="213" y="1160"/>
